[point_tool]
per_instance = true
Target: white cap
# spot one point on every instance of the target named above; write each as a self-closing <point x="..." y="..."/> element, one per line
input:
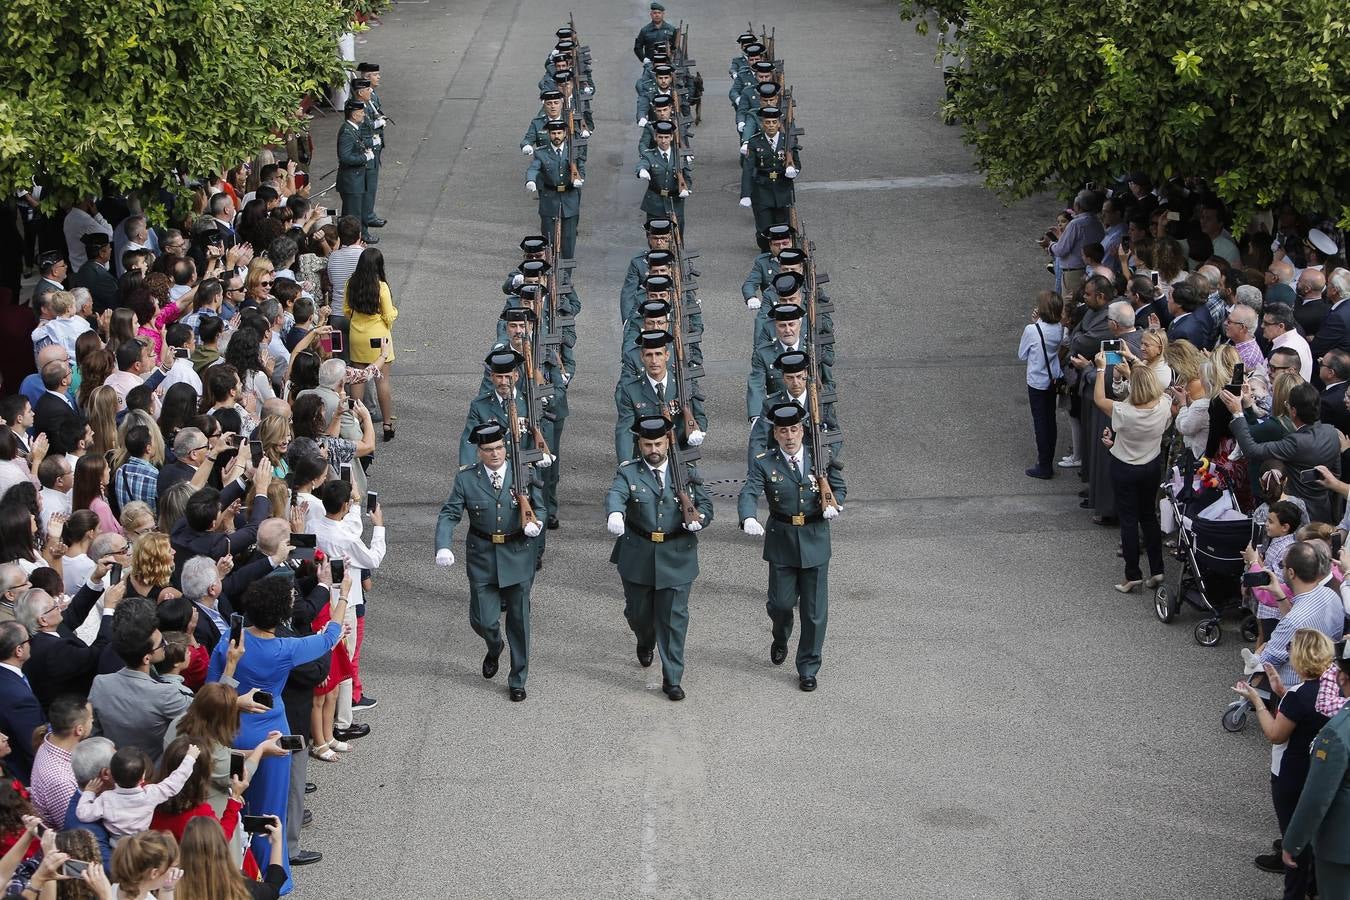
<point x="1323" y="242"/>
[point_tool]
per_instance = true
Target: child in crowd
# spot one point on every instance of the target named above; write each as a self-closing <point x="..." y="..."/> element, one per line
<point x="128" y="807"/>
<point x="1281" y="521"/>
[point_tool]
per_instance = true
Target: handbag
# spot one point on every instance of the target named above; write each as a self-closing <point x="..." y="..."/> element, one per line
<point x="1060" y="385"/>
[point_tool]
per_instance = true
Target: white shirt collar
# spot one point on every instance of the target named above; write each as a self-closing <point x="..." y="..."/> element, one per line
<point x="654" y="383"/>
<point x="499" y="471"/>
<point x="15" y="669"/>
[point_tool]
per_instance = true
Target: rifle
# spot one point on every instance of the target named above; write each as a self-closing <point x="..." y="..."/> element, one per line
<point x="536" y="387"/>
<point x="816" y="396"/>
<point x="572" y="144"/>
<point x="521" y="474"/>
<point x="679" y="480"/>
<point x="790" y="130"/>
<point x="685" y="373"/>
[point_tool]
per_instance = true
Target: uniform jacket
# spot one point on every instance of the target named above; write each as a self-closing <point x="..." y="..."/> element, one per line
<point x="801" y="546"/>
<point x="761" y="434"/>
<point x="488" y="408"/>
<point x="760" y="279"/>
<point x="764" y="171"/>
<point x="495" y="512"/>
<point x="550" y="170"/>
<point x="353" y="142"/>
<point x="1322" y="816"/>
<point x="672" y="561"/>
<point x="663" y="190"/>
<point x="636" y="397"/>
<point x="630" y="295"/>
<point x="765" y="379"/>
<point x="651" y="35"/>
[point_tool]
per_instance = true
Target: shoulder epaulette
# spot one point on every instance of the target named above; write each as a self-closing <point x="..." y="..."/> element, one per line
<point x="761" y="455"/>
<point x="467" y="468"/>
<point x="624" y="463"/>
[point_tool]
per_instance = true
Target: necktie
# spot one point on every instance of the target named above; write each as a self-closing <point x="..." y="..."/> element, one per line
<point x="496" y="481"/>
<point x="660" y="483"/>
<point x="796" y="469"/>
<point x="661" y="392"/>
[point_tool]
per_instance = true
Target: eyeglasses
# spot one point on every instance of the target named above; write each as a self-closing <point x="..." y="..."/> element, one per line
<point x="266" y="283"/>
<point x="199" y="447"/>
<point x="1282" y="368"/>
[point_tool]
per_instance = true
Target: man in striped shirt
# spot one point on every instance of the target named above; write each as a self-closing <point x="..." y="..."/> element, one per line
<point x="342" y="261"/>
<point x="1314" y="606"/>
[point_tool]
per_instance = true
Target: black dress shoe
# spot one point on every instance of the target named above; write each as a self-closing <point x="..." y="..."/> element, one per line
<point x="645" y="656"/>
<point x="1270" y="862"/>
<point x="370" y="239"/>
<point x="310" y="787"/>
<point x="517" y="695"/>
<point x="807" y="683"/>
<point x="306" y="857"/>
<point x="553" y="523"/>
<point x="673" y="691"/>
<point x="307" y="819"/>
<point x="777" y="653"/>
<point x="351" y="734"/>
<point x="490" y="663"/>
<point x="376" y="223"/>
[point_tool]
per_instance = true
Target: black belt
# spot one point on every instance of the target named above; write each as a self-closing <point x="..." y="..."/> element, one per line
<point x="496" y="537"/>
<point x="653" y="189"/>
<point x="660" y="537"/>
<point x="562" y="188"/>
<point x="798" y="519"/>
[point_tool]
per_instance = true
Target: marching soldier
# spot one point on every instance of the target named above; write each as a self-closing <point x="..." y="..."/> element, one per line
<point x="356" y="159"/>
<point x="748" y="103"/>
<point x="793" y="366"/>
<point x="375" y="117"/>
<point x="658" y="238"/>
<point x="663" y="77"/>
<point x="668" y="177"/>
<point x="500" y="550"/>
<point x="492" y="406"/>
<point x="797" y="541"/>
<point x="764" y="378"/>
<point x="361" y="91"/>
<point x="657" y="31"/>
<point x="646" y="82"/>
<point x="551" y="175"/>
<point x="655" y="392"/>
<point x="563" y="59"/>
<point x="653" y="262"/>
<point x="533" y="293"/>
<point x="767" y="174"/>
<point x="580" y="106"/>
<point x="652" y="314"/>
<point x="788" y="287"/>
<point x="765" y="94"/>
<point x="765" y="267"/>
<point x="656" y="546"/>
<point x="742" y="76"/>
<point x="536" y="135"/>
<point x="535" y="247"/>
<point x="662" y="110"/>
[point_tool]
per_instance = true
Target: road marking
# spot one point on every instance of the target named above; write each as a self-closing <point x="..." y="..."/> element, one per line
<point x="960" y="179"/>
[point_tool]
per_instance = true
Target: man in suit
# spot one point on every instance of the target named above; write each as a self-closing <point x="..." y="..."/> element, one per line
<point x="52" y="266"/>
<point x="1322" y="818"/>
<point x="797" y="541"/>
<point x="194" y="458"/>
<point x="551" y="174"/>
<point x="655" y="392"/>
<point x="772" y="161"/>
<point x="1312" y="443"/>
<point x="59" y="662"/>
<point x="500" y="550"/>
<point x="55" y="407"/>
<point x="1183" y="304"/>
<point x="1333" y="370"/>
<point x="1334" y="332"/>
<point x="1310" y="310"/>
<point x="20" y="712"/>
<point x="668" y="176"/>
<point x="356" y="162"/>
<point x="656" y="545"/>
<point x="196" y="533"/>
<point x="96" y="274"/>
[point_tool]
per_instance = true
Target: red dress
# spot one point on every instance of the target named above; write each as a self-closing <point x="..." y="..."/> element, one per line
<point x="341" y="668"/>
<point x="176" y="824"/>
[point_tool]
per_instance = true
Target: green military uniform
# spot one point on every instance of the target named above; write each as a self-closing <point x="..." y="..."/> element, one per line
<point x="1322" y="817"/>
<point x="638" y="397"/>
<point x="761" y="433"/>
<point x="760" y="280"/>
<point x="489" y="407"/>
<point x="662" y="197"/>
<point x="374" y="124"/>
<point x="632" y="293"/>
<point x="498" y="557"/>
<point x="657" y="557"/>
<point x="739" y="70"/>
<point x="631" y="359"/>
<point x="356" y="159"/>
<point x="764" y="376"/>
<point x="765" y="178"/>
<point x="796" y="544"/>
<point x="786" y="288"/>
<point x="652" y="35"/>
<point x="550" y="172"/>
<point x="535" y="136"/>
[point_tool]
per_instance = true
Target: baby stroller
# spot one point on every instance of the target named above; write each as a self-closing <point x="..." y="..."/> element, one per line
<point x="1211" y="535"/>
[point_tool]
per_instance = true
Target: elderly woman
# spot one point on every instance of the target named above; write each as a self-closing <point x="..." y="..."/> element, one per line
<point x="265" y="665"/>
<point x="1096" y="456"/>
<point x="1138" y="424"/>
<point x="258" y="282"/>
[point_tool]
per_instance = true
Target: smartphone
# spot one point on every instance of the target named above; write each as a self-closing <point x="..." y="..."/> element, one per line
<point x="236" y="628"/>
<point x="74" y="868"/>
<point x="263" y="697"/>
<point x="256" y="824"/>
<point x="1173" y="216"/>
<point x="1114" y="358"/>
<point x="115" y="573"/>
<point x="372" y="498"/>
<point x="255" y="449"/>
<point x="291" y="742"/>
<point x="351" y="403"/>
<point x="376" y="343"/>
<point x="1239" y="377"/>
<point x="1111" y="345"/>
<point x="1155" y="279"/>
<point x="301" y="539"/>
<point x="237" y="765"/>
<point x="1309" y="476"/>
<point x="335" y="344"/>
<point x="1337" y="541"/>
<point x="1255" y="579"/>
<point x="345" y="473"/>
<point x="339" y="569"/>
<point x="180" y="352"/>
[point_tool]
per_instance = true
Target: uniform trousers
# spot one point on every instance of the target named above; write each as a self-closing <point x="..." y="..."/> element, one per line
<point x="486" y="602"/>
<point x="355" y="205"/>
<point x="1299" y="879"/>
<point x="659" y="617"/>
<point x="372" y="186"/>
<point x="553" y="438"/>
<point x="791" y="587"/>
<point x="569" y="233"/>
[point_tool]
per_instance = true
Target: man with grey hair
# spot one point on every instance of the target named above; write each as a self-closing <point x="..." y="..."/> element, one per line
<point x="84" y="301"/>
<point x="61" y="663"/>
<point x="202" y="585"/>
<point x="1083" y="229"/>
<point x="1249" y="295"/>
<point x="20" y="712"/>
<point x="13" y="582"/>
<point x="275" y="315"/>
<point x="1335" y="331"/>
<point x="332" y="372"/>
<point x="90" y="761"/>
<point x="195" y="458"/>
<point x="1240" y="330"/>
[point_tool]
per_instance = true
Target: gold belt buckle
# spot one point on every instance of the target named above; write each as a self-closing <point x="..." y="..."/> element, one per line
<point x="799" y="519"/>
<point x="498" y="538"/>
<point x="658" y="537"/>
<point x="665" y="193"/>
<point x="773" y="176"/>
<point x="562" y="188"/>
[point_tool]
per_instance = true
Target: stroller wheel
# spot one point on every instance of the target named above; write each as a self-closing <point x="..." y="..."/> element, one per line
<point x="1163" y="606"/>
<point x="1250" y="630"/>
<point x="1235" y="716"/>
<point x="1208" y="633"/>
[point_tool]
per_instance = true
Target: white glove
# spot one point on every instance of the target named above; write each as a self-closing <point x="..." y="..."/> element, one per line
<point x="585" y="133"/>
<point x="753" y="528"/>
<point x="642" y="122"/>
<point x="689" y="159"/>
<point x="380" y="123"/>
<point x="528" y="150"/>
<point x="615" y="524"/>
<point x="753" y="303"/>
<point x="754" y="420"/>
<point x="745" y="201"/>
<point x="445" y="558"/>
<point x="745" y="149"/>
<point x="646" y="61"/>
<point x="532" y="529"/>
<point x="370" y="154"/>
<point x="517" y="280"/>
<point x="693" y="526"/>
<point x="695" y="439"/>
<point x="529" y="186"/>
<point x="740" y="127"/>
<point x="684" y="194"/>
<point x="791" y="172"/>
<point x="578" y="182"/>
<point x="588" y="90"/>
<point x="546" y="461"/>
<point x="645" y="174"/>
<point x="831" y="512"/>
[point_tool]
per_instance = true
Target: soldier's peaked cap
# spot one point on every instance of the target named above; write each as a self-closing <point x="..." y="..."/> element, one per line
<point x="550" y="95"/>
<point x="766" y="89"/>
<point x="654" y="340"/>
<point x="770" y="112"/>
<point x="651" y="427"/>
<point x="533" y="243"/>
<point x="654" y="309"/>
<point x="659" y="258"/>
<point x="654" y="283"/>
<point x="503" y="361"/>
<point x="487" y="433"/>
<point x="662" y="69"/>
<point x="663" y="128"/>
<point x="556" y="125"/>
<point x="791" y="256"/>
<point x="791" y="361"/>
<point x="754" y="49"/>
<point x="784" y="414"/>
<point x="662" y="100"/>
<point x="659" y="226"/>
<point x="786" y="312"/>
<point x="763" y="66"/>
<point x="534" y="267"/>
<point x="517" y="314"/>
<point x="787" y="283"/>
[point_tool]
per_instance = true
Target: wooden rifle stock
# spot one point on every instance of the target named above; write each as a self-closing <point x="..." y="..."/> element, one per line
<point x="519" y="477"/>
<point x="819" y="463"/>
<point x="571" y="140"/>
<point x="680" y="483"/>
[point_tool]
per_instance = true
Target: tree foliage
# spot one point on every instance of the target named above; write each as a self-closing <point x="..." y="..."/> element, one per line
<point x="116" y="93"/>
<point x="1250" y="94"/>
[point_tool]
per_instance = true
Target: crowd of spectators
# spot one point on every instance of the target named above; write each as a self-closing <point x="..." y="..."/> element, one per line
<point x="188" y="540"/>
<point x="1183" y="354"/>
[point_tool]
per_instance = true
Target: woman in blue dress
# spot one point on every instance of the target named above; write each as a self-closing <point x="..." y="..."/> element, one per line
<point x="266" y="663"/>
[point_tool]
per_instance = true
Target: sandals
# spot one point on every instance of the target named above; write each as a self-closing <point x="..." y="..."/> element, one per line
<point x="389" y="428"/>
<point x="339" y="746"/>
<point x="323" y="752"/>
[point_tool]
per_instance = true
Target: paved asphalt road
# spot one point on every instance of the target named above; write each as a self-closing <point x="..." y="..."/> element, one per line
<point x="992" y="720"/>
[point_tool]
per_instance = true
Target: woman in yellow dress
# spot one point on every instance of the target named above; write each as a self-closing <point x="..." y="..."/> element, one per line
<point x="370" y="313"/>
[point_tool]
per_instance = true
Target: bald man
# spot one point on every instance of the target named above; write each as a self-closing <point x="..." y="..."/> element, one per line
<point x="32" y="387"/>
<point x="1309" y="307"/>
